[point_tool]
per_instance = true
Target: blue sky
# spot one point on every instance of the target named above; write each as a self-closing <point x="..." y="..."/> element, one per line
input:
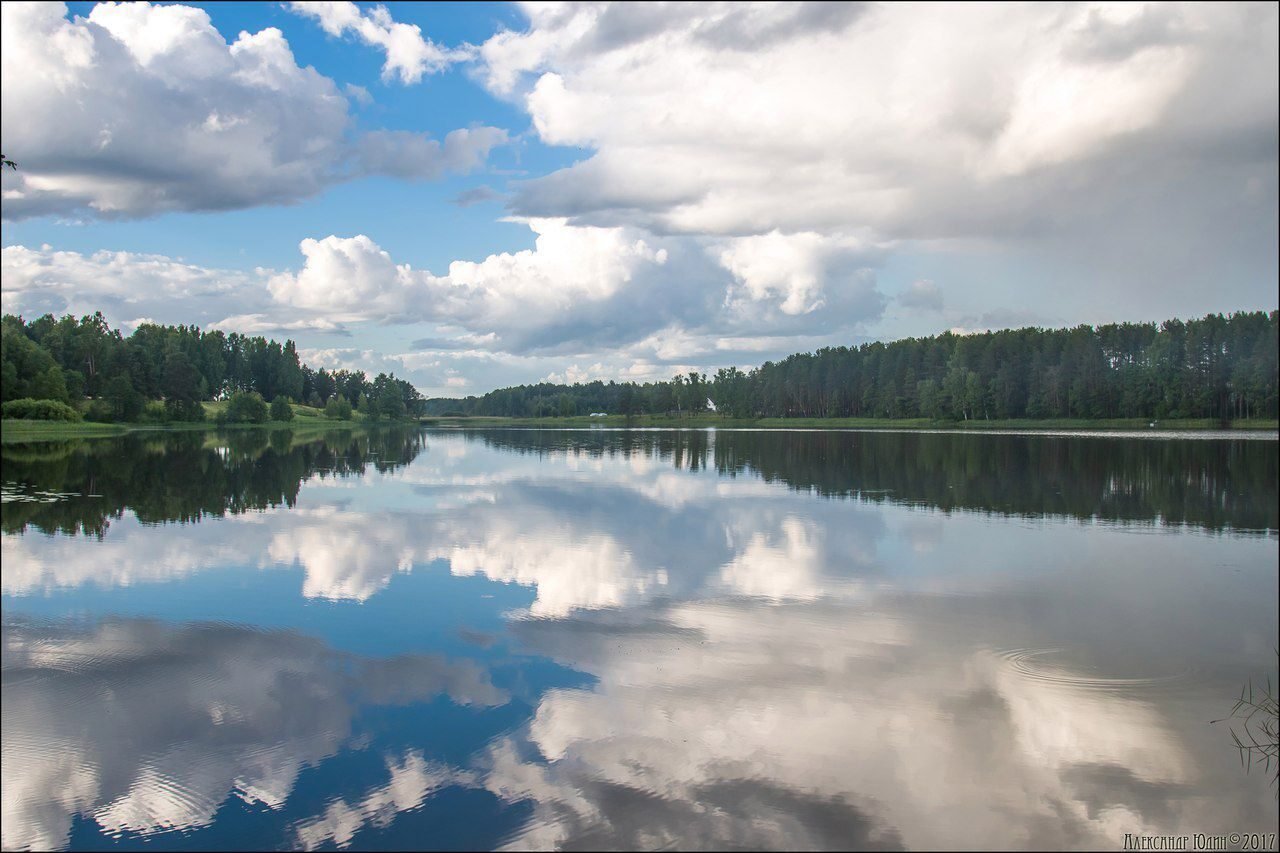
<point x="508" y="193"/>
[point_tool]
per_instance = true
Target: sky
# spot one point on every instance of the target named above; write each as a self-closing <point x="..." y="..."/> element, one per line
<point x="480" y="195"/>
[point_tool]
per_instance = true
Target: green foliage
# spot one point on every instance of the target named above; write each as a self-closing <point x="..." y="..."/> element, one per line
<point x="388" y="399"/>
<point x="69" y="359"/>
<point x="338" y="408"/>
<point x="281" y="410"/>
<point x="99" y="411"/>
<point x="122" y="400"/>
<point x="153" y="412"/>
<point x="49" y="384"/>
<point x="26" y="368"/>
<point x="1218" y="367"/>
<point x="39" y="410"/>
<point x="245" y="408"/>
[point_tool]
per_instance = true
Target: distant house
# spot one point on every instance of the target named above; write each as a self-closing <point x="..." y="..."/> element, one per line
<point x="599" y="414"/>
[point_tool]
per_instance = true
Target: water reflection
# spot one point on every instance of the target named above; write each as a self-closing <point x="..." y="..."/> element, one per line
<point x="147" y="727"/>
<point x="80" y="487"/>
<point x="887" y="718"/>
<point x="1211" y="484"/>
<point x="699" y="641"/>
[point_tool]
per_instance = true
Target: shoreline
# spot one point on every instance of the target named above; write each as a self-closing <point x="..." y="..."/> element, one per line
<point x="1129" y="425"/>
<point x="14" y="431"/>
<point x="21" y="431"/>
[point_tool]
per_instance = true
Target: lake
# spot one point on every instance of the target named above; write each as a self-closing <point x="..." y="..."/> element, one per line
<point x="427" y="639"/>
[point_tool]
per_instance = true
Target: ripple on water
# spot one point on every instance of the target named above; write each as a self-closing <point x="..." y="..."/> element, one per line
<point x="1044" y="665"/>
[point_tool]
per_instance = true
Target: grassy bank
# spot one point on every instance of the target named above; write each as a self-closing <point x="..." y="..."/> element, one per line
<point x="16" y="431"/>
<point x="712" y="420"/>
<point x="305" y="418"/>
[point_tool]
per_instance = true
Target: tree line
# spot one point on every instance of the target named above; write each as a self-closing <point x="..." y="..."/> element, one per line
<point x="164" y="372"/>
<point x="1221" y="367"/>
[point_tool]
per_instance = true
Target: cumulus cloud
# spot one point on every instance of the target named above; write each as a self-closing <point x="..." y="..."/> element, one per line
<point x="410" y="55"/>
<point x="923" y="120"/>
<point x="140" y="109"/>
<point x="123" y="285"/>
<point x="799" y="269"/>
<point x="524" y="298"/>
<point x="1083" y="126"/>
<point x="583" y="287"/>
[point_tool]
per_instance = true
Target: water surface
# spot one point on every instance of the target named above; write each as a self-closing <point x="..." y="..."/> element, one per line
<point x="632" y="639"/>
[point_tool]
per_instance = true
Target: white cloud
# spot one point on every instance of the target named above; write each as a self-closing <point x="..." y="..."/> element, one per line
<point x="660" y="305"/>
<point x="409" y="54"/>
<point x="254" y="324"/>
<point x="122" y="285"/>
<point x="583" y="287"/>
<point x="796" y="268"/>
<point x="140" y="109"/>
<point x="573" y="374"/>
<point x="347" y="277"/>
<point x="883" y="117"/>
<point x="511" y="295"/>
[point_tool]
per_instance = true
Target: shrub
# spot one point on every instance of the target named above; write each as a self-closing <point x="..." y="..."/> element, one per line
<point x="337" y="408"/>
<point x="183" y="410"/>
<point x="99" y="411"/>
<point x="246" y="408"/>
<point x="281" y="410"/>
<point x="39" y="410"/>
<point x="153" y="412"/>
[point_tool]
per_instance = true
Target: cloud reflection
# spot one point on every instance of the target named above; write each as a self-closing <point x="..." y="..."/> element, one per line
<point x="147" y="727"/>
<point x="826" y="725"/>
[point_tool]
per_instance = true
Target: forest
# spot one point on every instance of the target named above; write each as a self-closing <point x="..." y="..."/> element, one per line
<point x="163" y="373"/>
<point x="1219" y="367"/>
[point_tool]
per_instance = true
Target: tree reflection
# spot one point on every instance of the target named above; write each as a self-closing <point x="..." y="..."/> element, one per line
<point x="1213" y="484"/>
<point x="79" y="487"/>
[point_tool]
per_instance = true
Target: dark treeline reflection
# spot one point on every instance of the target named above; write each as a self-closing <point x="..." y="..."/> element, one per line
<point x="79" y="486"/>
<point x="1214" y="484"/>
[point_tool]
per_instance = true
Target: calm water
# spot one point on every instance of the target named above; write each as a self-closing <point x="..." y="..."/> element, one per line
<point x="581" y="639"/>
